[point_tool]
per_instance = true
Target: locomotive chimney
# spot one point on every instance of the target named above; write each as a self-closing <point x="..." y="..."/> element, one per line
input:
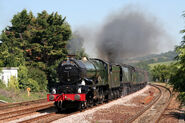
<point x="71" y="56"/>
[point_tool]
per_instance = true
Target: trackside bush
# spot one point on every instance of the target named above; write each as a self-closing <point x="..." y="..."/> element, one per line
<point x="181" y="97"/>
<point x="33" y="78"/>
<point x="2" y="85"/>
<point x="32" y="84"/>
<point x="39" y="76"/>
<point x="22" y="76"/>
<point x="13" y="83"/>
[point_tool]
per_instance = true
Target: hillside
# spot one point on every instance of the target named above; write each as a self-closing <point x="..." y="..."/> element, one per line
<point x="147" y="62"/>
<point x="165" y="63"/>
<point x="153" y="58"/>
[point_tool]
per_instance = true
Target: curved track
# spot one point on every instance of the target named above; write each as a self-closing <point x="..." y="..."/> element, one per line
<point x="153" y="111"/>
<point x="145" y="115"/>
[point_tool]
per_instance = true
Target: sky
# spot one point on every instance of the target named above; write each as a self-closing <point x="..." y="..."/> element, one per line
<point x="92" y="12"/>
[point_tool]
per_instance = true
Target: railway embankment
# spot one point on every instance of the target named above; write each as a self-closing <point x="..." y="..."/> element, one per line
<point x="116" y="111"/>
<point x="126" y="109"/>
<point x="164" y="109"/>
<point x="12" y="96"/>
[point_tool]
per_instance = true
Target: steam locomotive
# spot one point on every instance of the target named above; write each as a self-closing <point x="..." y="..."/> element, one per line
<point x="88" y="82"/>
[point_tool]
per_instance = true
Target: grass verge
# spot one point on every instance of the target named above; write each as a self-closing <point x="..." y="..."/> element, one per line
<point x="20" y="96"/>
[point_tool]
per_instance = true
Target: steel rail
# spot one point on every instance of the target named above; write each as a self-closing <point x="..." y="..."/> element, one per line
<point x="52" y="116"/>
<point x="130" y="120"/>
<point x="55" y="116"/>
<point x="47" y="117"/>
<point x="12" y="105"/>
<point x="8" y="115"/>
<point x="169" y="100"/>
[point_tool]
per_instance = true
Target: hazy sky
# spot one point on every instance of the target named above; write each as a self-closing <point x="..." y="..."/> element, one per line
<point x="92" y="12"/>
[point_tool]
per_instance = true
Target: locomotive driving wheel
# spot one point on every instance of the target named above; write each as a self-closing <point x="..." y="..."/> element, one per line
<point x="102" y="97"/>
<point x="89" y="102"/>
<point x="111" y="95"/>
<point x="117" y="93"/>
<point x="114" y="94"/>
<point x="58" y="105"/>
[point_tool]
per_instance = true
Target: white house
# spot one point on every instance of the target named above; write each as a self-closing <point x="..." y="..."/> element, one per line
<point x="7" y="72"/>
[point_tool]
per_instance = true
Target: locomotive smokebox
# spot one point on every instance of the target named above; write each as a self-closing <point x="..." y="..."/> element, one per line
<point x="73" y="71"/>
<point x="69" y="71"/>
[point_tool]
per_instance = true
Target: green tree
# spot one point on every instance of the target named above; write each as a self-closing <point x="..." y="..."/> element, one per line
<point x="11" y="56"/>
<point x="37" y="42"/>
<point x="178" y="78"/>
<point x="160" y="73"/>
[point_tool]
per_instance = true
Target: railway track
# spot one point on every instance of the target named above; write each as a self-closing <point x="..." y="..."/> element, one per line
<point x="21" y="112"/>
<point x="144" y="115"/>
<point x="47" y="118"/>
<point x="54" y="116"/>
<point x="8" y="116"/>
<point x="13" y="105"/>
<point x="154" y="110"/>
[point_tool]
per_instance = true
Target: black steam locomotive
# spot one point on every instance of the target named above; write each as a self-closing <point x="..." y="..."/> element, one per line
<point x="88" y="82"/>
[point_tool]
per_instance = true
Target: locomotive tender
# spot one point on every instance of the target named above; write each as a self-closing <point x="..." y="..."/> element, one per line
<point x="87" y="82"/>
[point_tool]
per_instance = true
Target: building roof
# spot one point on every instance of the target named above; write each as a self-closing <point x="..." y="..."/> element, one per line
<point x="9" y="68"/>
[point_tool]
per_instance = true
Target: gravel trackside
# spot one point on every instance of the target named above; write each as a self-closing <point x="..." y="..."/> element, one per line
<point x="113" y="108"/>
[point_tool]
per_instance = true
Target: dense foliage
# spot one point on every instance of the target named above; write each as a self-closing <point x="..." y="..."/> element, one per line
<point x="13" y="83"/>
<point x="2" y="85"/>
<point x="39" y="76"/>
<point x="36" y="45"/>
<point x="162" y="72"/>
<point x="175" y="73"/>
<point x="33" y="78"/>
<point x="178" y="79"/>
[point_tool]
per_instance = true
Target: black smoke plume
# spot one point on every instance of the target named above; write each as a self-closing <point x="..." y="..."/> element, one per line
<point x="124" y="34"/>
<point x="75" y="44"/>
<point x="129" y="33"/>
